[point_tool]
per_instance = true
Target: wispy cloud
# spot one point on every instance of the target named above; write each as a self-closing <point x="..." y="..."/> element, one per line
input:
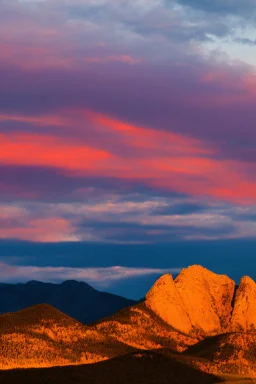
<point x="100" y="277"/>
<point x="134" y="218"/>
<point x="164" y="160"/>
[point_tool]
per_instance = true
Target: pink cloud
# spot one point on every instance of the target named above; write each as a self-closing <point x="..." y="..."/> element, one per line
<point x="34" y="149"/>
<point x="162" y="159"/>
<point x="51" y="229"/>
<point x="121" y="58"/>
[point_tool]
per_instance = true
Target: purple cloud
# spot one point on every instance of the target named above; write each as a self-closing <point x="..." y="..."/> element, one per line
<point x="103" y="98"/>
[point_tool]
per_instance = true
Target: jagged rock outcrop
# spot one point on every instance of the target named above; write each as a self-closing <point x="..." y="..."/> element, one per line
<point x="197" y="301"/>
<point x="207" y="297"/>
<point x="244" y="312"/>
<point x="165" y="300"/>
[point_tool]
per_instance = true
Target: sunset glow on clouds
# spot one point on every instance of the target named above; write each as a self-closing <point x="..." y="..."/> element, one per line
<point x="92" y="144"/>
<point x="127" y="122"/>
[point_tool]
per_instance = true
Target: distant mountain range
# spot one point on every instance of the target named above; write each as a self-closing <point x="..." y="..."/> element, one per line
<point x="197" y="328"/>
<point x="77" y="299"/>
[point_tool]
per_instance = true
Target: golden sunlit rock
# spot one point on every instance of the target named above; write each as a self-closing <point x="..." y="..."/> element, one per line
<point x="165" y="300"/>
<point x="244" y="313"/>
<point x="197" y="301"/>
<point x="207" y="298"/>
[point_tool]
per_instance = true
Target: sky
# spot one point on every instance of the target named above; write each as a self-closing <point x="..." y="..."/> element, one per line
<point x="127" y="140"/>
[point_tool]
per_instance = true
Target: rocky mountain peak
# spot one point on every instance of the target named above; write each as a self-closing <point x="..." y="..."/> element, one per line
<point x="164" y="282"/>
<point x="198" y="300"/>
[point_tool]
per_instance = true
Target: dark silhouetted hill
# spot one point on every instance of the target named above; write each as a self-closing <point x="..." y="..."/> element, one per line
<point x="77" y="299"/>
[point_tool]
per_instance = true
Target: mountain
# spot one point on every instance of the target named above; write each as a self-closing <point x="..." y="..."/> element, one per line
<point x="196" y="302"/>
<point x="148" y="367"/>
<point x="42" y="336"/>
<point x="139" y="327"/>
<point x="77" y="299"/>
<point x="201" y="303"/>
<point x="200" y="314"/>
<point x="200" y="319"/>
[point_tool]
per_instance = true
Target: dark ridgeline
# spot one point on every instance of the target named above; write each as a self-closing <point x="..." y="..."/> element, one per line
<point x="77" y="299"/>
<point x="143" y="367"/>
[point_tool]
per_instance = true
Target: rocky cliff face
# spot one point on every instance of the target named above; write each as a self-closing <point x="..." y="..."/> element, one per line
<point x="165" y="300"/>
<point x="202" y="302"/>
<point x="207" y="298"/>
<point x="244" y="313"/>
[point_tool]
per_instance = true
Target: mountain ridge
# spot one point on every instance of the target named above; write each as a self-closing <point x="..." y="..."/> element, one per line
<point x="43" y="336"/>
<point x="200" y="301"/>
<point x="171" y="321"/>
<point x="77" y="299"/>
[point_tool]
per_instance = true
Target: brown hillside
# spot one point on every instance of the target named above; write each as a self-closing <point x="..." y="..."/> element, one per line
<point x="42" y="336"/>
<point x="41" y="313"/>
<point x="140" y="328"/>
<point x="233" y="353"/>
